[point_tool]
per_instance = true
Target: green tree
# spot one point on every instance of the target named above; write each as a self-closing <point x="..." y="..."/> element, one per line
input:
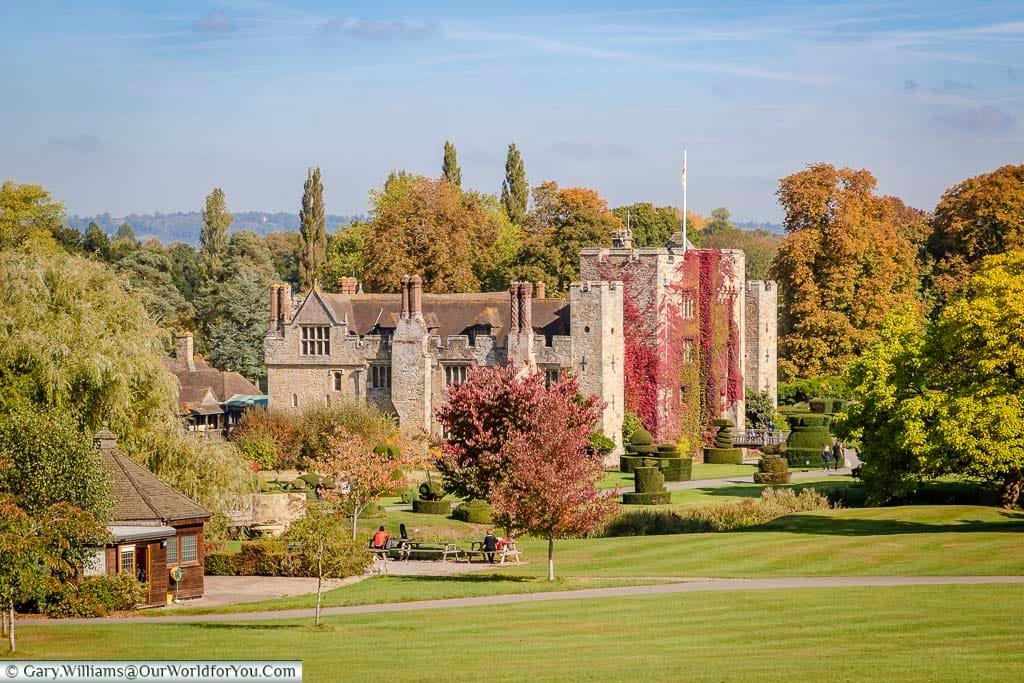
<point x="150" y="275"/>
<point x="26" y="208"/>
<point x="345" y="254"/>
<point x="515" y="191"/>
<point x="235" y="338"/>
<point x="186" y="271"/>
<point x="284" y="251"/>
<point x="450" y="170"/>
<point x="718" y="222"/>
<point x="313" y="230"/>
<point x="651" y="225"/>
<point x="213" y="239"/>
<point x="96" y="242"/>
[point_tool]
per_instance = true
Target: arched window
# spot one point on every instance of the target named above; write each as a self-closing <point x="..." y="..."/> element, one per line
<point x="295" y="400"/>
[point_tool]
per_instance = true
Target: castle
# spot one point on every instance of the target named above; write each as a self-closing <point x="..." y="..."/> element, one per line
<point x="400" y="351"/>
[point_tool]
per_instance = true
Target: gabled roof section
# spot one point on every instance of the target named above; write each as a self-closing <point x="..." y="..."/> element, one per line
<point x="318" y="299"/>
<point x="140" y="498"/>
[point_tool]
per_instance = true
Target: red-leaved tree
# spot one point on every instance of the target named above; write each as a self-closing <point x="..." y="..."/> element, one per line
<point x="550" y="483"/>
<point x="483" y="413"/>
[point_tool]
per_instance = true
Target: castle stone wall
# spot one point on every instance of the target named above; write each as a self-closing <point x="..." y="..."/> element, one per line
<point x="761" y="360"/>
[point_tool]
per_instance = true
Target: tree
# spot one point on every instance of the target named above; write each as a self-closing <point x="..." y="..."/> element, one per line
<point x="27" y="208"/>
<point x="284" y="251"/>
<point x="550" y="485"/>
<point x="186" y="271"/>
<point x="431" y="228"/>
<point x="450" y="170"/>
<point x="323" y="549"/>
<point x="234" y="338"/>
<point x="73" y="339"/>
<point x="652" y="226"/>
<point x="515" y="191"/>
<point x="96" y="242"/>
<point x="312" y="229"/>
<point x="563" y="222"/>
<point x="213" y="239"/>
<point x="150" y="276"/>
<point x="362" y="470"/>
<point x="978" y="217"/>
<point x="345" y="250"/>
<point x="841" y="268"/>
<point x="759" y="247"/>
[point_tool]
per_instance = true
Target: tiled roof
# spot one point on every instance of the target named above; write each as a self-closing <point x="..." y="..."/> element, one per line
<point x="448" y="314"/>
<point x="140" y="498"/>
<point x="193" y="385"/>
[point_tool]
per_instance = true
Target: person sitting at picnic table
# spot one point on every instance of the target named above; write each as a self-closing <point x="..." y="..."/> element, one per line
<point x="380" y="539"/>
<point x="490" y="545"/>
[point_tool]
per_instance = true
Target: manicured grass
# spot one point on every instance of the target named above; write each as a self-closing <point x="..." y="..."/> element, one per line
<point x="733" y="492"/>
<point x="856" y="634"/>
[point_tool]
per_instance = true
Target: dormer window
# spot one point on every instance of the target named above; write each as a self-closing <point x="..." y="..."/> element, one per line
<point x="316" y="340"/>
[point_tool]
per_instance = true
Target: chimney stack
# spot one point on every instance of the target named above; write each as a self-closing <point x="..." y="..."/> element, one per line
<point x="274" y="310"/>
<point x="405" y="298"/>
<point x="347" y="285"/>
<point x="513" y="296"/>
<point x="539" y="291"/>
<point x="415" y="296"/>
<point x="525" y="307"/>
<point x="183" y="351"/>
<point x="284" y="304"/>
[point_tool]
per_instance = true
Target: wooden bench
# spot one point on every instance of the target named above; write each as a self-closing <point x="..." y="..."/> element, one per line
<point x="508" y="551"/>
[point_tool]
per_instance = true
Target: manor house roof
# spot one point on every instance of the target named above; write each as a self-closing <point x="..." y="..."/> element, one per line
<point x="447" y="314"/>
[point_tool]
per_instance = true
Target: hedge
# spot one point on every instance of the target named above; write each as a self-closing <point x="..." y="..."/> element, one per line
<point x="659" y="498"/>
<point x="772" y="470"/>
<point x="641" y="437"/>
<point x="649" y="480"/>
<point x="272" y="557"/>
<point x="96" y="596"/>
<point x="668" y="449"/>
<point x="432" y="507"/>
<point x="809" y="420"/>
<point x="804" y="457"/>
<point x="674" y="468"/>
<point x="474" y="512"/>
<point x="723" y="456"/>
<point x="827" y="405"/>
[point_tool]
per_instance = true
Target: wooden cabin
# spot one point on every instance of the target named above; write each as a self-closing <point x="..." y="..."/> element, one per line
<point x="155" y="529"/>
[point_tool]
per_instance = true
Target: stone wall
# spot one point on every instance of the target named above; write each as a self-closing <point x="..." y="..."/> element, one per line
<point x="761" y="361"/>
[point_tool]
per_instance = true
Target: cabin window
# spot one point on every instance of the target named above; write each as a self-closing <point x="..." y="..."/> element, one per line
<point x="455" y="374"/>
<point x="316" y="340"/>
<point x="337" y="381"/>
<point x="126" y="561"/>
<point x="380" y="376"/>
<point x="552" y="376"/>
<point x="188" y="548"/>
<point x="172" y="550"/>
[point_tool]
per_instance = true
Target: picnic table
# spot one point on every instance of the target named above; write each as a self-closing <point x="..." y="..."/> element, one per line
<point x="508" y="551"/>
<point x="407" y="548"/>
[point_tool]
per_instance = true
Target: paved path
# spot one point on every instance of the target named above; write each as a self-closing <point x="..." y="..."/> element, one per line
<point x="584" y="594"/>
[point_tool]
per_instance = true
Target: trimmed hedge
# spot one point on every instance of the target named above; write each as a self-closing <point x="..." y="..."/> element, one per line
<point x="474" y="512"/>
<point x="659" y="498"/>
<point x="432" y="507"/>
<point x="641" y="437"/>
<point x="271" y="557"/>
<point x="668" y="449"/>
<point x="674" y="468"/>
<point x="804" y="457"/>
<point x="723" y="456"/>
<point x="649" y="480"/>
<point x="431" y="490"/>
<point x="827" y="405"/>
<point x="772" y="470"/>
<point x="96" y="596"/>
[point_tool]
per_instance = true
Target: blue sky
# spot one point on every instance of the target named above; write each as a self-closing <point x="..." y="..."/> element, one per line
<point x="145" y="106"/>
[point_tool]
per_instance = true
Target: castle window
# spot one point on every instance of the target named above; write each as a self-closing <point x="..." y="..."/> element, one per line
<point x="686" y="309"/>
<point x="316" y="340"/>
<point x="687" y="350"/>
<point x="295" y="400"/>
<point x="337" y="380"/>
<point x="455" y="374"/>
<point x="380" y="376"/>
<point x="552" y="376"/>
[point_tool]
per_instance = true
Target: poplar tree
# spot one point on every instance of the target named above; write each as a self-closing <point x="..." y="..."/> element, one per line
<point x="515" y="192"/>
<point x="213" y="240"/>
<point x="312" y="230"/>
<point x="450" y="166"/>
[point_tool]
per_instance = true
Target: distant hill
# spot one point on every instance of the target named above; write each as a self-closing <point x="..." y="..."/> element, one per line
<point x="185" y="227"/>
<point x="754" y="225"/>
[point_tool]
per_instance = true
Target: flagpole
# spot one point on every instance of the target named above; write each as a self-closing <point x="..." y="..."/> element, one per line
<point x="684" y="201"/>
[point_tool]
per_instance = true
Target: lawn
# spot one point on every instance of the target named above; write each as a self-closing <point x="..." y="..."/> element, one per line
<point x="616" y="479"/>
<point x="855" y="634"/>
<point x="911" y="540"/>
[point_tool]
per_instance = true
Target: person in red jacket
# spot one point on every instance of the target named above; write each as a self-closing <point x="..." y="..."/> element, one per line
<point x="380" y="539"/>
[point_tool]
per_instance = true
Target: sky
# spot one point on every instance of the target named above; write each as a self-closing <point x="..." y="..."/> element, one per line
<point x="131" y="106"/>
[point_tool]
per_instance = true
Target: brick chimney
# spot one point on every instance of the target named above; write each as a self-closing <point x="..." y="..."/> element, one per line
<point x="513" y="297"/>
<point x="525" y="306"/>
<point x="274" y="310"/>
<point x="347" y="285"/>
<point x="539" y="291"/>
<point x="416" y="296"/>
<point x="405" y="298"/>
<point x="284" y="304"/>
<point x="183" y="351"/>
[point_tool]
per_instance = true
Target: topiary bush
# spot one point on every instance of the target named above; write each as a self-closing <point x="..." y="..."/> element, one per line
<point x="474" y="512"/>
<point x="641" y="437"/>
<point x="659" y="498"/>
<point x="374" y="511"/>
<point x="723" y="456"/>
<point x="431" y="491"/>
<point x="772" y="469"/>
<point x="808" y="437"/>
<point x="650" y="488"/>
<point x="676" y="469"/>
<point x="432" y="507"/>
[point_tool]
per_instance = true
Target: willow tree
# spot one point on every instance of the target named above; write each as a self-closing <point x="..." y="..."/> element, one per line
<point x="312" y="229"/>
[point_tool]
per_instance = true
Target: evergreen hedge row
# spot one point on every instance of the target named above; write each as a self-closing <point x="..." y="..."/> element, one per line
<point x="474" y="512"/>
<point x="723" y="456"/>
<point x="660" y="498"/>
<point x="432" y="507"/>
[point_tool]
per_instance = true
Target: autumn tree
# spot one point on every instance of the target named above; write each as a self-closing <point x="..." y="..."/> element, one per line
<point x="450" y="170"/>
<point x="323" y="550"/>
<point x="515" y="191"/>
<point x="213" y="239"/>
<point x="313" y="230"/>
<point x="549" y="485"/>
<point x="27" y="208"/>
<point x="975" y="218"/>
<point x="842" y="266"/>
<point x="563" y="222"/>
<point x="431" y="228"/>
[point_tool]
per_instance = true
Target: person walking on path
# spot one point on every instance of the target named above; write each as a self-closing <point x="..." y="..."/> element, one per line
<point x="490" y="545"/>
<point x="838" y="455"/>
<point x="826" y="456"/>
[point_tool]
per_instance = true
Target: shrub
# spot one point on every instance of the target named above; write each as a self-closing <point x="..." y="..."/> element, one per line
<point x="96" y="596"/>
<point x="772" y="470"/>
<point x="676" y="469"/>
<point x="474" y="512"/>
<point x="723" y="456"/>
<point x="641" y="437"/>
<point x="432" y="507"/>
<point x="278" y="429"/>
<point x="669" y="449"/>
<point x="260" y="449"/>
<point x="373" y="511"/>
<point x="630" y="424"/>
<point x="299" y="485"/>
<point x="409" y="494"/>
<point x="600" y="444"/>
<point x="649" y="480"/>
<point x="655" y="498"/>
<point x="649" y="449"/>
<point x="265" y="557"/>
<point x="219" y="564"/>
<point x="431" y="490"/>
<point x="311" y="479"/>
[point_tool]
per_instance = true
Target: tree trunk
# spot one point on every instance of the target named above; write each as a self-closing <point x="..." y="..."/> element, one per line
<point x="319" y="589"/>
<point x="10" y="628"/>
<point x="3" y="623"/>
<point x="551" y="558"/>
<point x="355" y="519"/>
<point x="1011" y="490"/>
